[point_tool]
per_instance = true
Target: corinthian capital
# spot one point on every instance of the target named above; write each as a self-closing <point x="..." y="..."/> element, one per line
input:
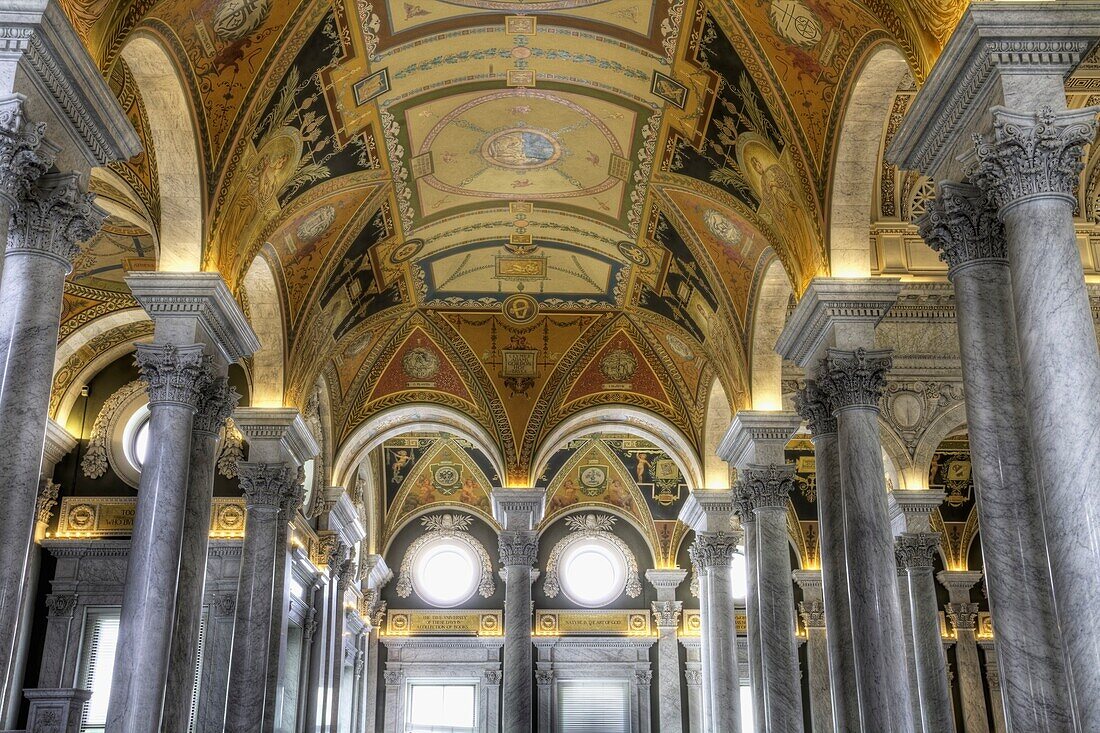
<point x="855" y="378"/>
<point x="714" y="549"/>
<point x="813" y="404"/>
<point x="53" y="216"/>
<point x="518" y="547"/>
<point x="962" y="615"/>
<point x="768" y="486"/>
<point x="1033" y="154"/>
<point x="813" y="613"/>
<point x="216" y="404"/>
<point x="742" y="501"/>
<point x="175" y="374"/>
<point x="666" y="614"/>
<point x="916" y="550"/>
<point x="24" y="154"/>
<point x="962" y="226"/>
<point x="265" y="484"/>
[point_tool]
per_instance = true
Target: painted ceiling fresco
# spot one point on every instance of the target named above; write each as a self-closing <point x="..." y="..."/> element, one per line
<point x="520" y="210"/>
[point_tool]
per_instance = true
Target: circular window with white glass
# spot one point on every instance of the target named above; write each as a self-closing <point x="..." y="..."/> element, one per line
<point x="446" y="572"/>
<point x="592" y="573"/>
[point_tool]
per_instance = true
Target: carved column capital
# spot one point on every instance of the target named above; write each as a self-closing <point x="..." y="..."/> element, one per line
<point x="492" y="676"/>
<point x="174" y="374"/>
<point x="666" y="614"/>
<point x="813" y="404"/>
<point x="47" y="500"/>
<point x="742" y="501"/>
<point x="53" y="217"/>
<point x="812" y="612"/>
<point x="962" y="226"/>
<point x="694" y="677"/>
<point x="1033" y="154"/>
<point x="916" y="550"/>
<point x="544" y="677"/>
<point x="768" y="486"/>
<point x="963" y="616"/>
<point x="394" y="676"/>
<point x="714" y="549"/>
<point x="643" y="677"/>
<point x="855" y="378"/>
<point x="265" y="484"/>
<point x="61" y="604"/>
<point x="518" y="547"/>
<point x="216" y="404"/>
<point x="24" y="153"/>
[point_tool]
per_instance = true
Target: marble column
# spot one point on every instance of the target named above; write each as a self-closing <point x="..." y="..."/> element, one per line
<point x="812" y="612"/>
<point x="376" y="575"/>
<point x="518" y="511"/>
<point x="666" y="617"/>
<point x="768" y="488"/>
<point x="754" y="647"/>
<point x="215" y="405"/>
<point x="915" y="553"/>
<point x="25" y="155"/>
<point x="694" y="679"/>
<point x="963" y="615"/>
<point x="710" y="513"/>
<point x="853" y="382"/>
<point x="963" y="228"/>
<point x="340" y="569"/>
<point x="51" y="218"/>
<point x="177" y="379"/>
<point x="993" y="681"/>
<point x="844" y="696"/>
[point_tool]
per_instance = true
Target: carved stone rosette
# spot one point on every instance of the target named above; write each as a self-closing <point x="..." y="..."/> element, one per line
<point x="963" y="615"/>
<point x="916" y="550"/>
<point x="768" y="487"/>
<point x="666" y="614"/>
<point x="177" y="375"/>
<point x="265" y="484"/>
<point x="518" y="547"/>
<point x="812" y="612"/>
<point x="1032" y="154"/>
<point x="23" y="157"/>
<point x="53" y="217"/>
<point x="962" y="226"/>
<point x="855" y="378"/>
<point x="216" y="404"/>
<point x="714" y="549"/>
<point x="813" y="404"/>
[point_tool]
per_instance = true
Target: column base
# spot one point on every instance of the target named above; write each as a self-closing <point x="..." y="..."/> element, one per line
<point x="56" y="710"/>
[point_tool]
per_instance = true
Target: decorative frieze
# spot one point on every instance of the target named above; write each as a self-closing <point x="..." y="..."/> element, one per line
<point x="962" y="226"/>
<point x="714" y="549"/>
<point x="916" y="550"/>
<point x="518" y="547"/>
<point x="854" y="378"/>
<point x="402" y="622"/>
<point x="53" y="217"/>
<point x="597" y="621"/>
<point x="91" y="517"/>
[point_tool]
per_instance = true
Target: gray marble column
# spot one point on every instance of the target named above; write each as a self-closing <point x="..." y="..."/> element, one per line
<point x="518" y="511"/>
<point x="752" y="611"/>
<point x="544" y="681"/>
<point x="915" y="552"/>
<point x="49" y="221"/>
<point x="713" y="552"/>
<point x="177" y="379"/>
<point x="963" y="617"/>
<point x="666" y="617"/>
<point x="963" y="228"/>
<point x="266" y="486"/>
<point x="215" y="405"/>
<point x="853" y="382"/>
<point x="1030" y="167"/>
<point x="340" y="569"/>
<point x="993" y="681"/>
<point x="768" y="488"/>
<point x="812" y="612"/>
<point x="815" y="408"/>
<point x="694" y="679"/>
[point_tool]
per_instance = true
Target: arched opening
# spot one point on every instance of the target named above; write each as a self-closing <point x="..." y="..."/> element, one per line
<point x="716" y="472"/>
<point x="767" y="324"/>
<point x="265" y="312"/>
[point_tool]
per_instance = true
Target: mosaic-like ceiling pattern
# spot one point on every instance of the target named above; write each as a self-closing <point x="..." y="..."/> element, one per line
<point x="521" y="210"/>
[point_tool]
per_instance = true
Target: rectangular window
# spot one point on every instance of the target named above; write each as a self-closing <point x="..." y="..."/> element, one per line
<point x="593" y="706"/>
<point x="441" y="708"/>
<point x="97" y="665"/>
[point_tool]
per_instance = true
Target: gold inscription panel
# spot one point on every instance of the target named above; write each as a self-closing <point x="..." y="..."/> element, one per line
<point x="609" y="622"/>
<point x="108" y="516"/>
<point x="446" y="623"/>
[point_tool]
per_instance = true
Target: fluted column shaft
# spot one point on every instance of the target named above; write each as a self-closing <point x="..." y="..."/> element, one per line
<point x="767" y="488"/>
<point x="1030" y="170"/>
<point x="752" y="617"/>
<point x="713" y="552"/>
<point x="214" y="407"/>
<point x="963" y="228"/>
<point x="267" y="488"/>
<point x="48" y="221"/>
<point x="518" y="552"/>
<point x="854" y="381"/>
<point x="915" y="553"/>
<point x="815" y="408"/>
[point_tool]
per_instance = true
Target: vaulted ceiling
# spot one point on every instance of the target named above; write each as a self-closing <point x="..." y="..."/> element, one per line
<point x="517" y="209"/>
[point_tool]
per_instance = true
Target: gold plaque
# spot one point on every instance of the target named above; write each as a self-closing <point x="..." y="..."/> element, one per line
<point x="598" y="622"/>
<point x="521" y="268"/>
<point x="521" y="78"/>
<point x="520" y="25"/>
<point x="111" y="516"/>
<point x="444" y="623"/>
<point x="691" y="622"/>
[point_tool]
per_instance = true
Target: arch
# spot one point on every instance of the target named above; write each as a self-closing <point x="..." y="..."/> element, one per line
<point x="622" y="419"/>
<point x="716" y="472"/>
<point x="265" y="312"/>
<point x="946" y="423"/>
<point x="176" y="146"/>
<point x="855" y="166"/>
<point x="769" y="317"/>
<point x="416" y="418"/>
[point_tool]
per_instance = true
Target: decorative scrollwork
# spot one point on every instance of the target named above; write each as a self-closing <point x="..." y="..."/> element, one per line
<point x="962" y="226"/>
<point x="815" y="408"/>
<point x="452" y="526"/>
<point x="95" y="461"/>
<point x="590" y="527"/>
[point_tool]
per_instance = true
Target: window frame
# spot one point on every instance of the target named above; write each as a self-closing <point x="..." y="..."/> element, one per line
<point x="409" y="727"/>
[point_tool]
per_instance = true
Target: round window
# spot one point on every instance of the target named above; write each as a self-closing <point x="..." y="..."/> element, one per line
<point x="592" y="573"/>
<point x="135" y="438"/>
<point x="446" y="573"/>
